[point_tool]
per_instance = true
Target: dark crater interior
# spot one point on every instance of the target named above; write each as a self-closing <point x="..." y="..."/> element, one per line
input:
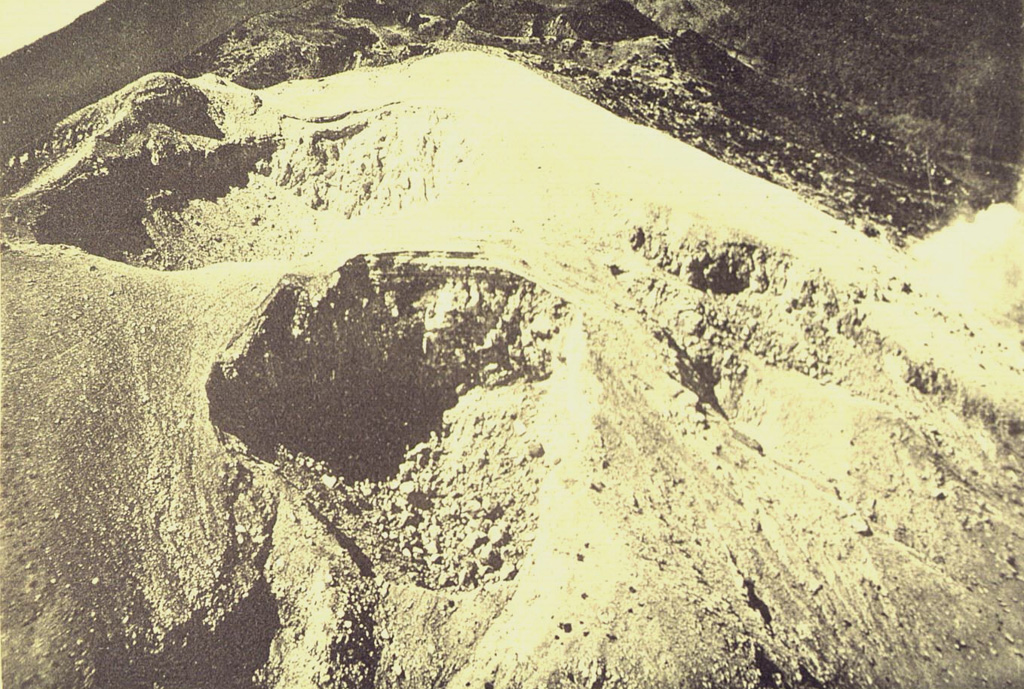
<point x="355" y="369"/>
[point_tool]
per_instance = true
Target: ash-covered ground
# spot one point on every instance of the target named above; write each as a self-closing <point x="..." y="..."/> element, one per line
<point x="505" y="346"/>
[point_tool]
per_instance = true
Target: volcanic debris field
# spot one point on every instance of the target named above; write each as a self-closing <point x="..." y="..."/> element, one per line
<point x="510" y="346"/>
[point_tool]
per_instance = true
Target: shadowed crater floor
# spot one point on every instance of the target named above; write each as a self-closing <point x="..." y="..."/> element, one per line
<point x="355" y="370"/>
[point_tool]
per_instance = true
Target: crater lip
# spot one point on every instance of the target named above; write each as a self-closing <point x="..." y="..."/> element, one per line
<point x="355" y="367"/>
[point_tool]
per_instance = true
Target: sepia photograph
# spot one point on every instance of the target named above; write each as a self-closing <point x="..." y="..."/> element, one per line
<point x="511" y="344"/>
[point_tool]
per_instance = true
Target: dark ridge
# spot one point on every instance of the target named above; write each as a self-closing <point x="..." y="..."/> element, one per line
<point x="609" y="20"/>
<point x="310" y="41"/>
<point x="600" y="20"/>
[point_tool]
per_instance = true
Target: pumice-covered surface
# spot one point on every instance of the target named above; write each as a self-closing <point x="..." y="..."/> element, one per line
<point x="421" y="370"/>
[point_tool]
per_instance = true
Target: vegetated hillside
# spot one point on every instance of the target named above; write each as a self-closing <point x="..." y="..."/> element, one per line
<point x="491" y="388"/>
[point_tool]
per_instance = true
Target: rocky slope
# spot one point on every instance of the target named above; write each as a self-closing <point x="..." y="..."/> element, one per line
<point x="470" y="382"/>
<point x="678" y="81"/>
<point x="792" y="96"/>
<point x="98" y="53"/>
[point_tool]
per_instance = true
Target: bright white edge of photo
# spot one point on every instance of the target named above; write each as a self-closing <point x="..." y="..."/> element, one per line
<point x="26" y="21"/>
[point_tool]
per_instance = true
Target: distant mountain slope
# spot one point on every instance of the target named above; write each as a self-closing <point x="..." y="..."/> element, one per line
<point x="313" y="39"/>
<point x="100" y="52"/>
<point x="607" y="20"/>
<point x="949" y="73"/>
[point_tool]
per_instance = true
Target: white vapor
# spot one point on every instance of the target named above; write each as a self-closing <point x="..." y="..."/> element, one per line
<point x="978" y="263"/>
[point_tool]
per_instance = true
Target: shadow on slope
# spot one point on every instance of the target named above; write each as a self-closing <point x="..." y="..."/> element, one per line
<point x="147" y="150"/>
<point x="194" y="655"/>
